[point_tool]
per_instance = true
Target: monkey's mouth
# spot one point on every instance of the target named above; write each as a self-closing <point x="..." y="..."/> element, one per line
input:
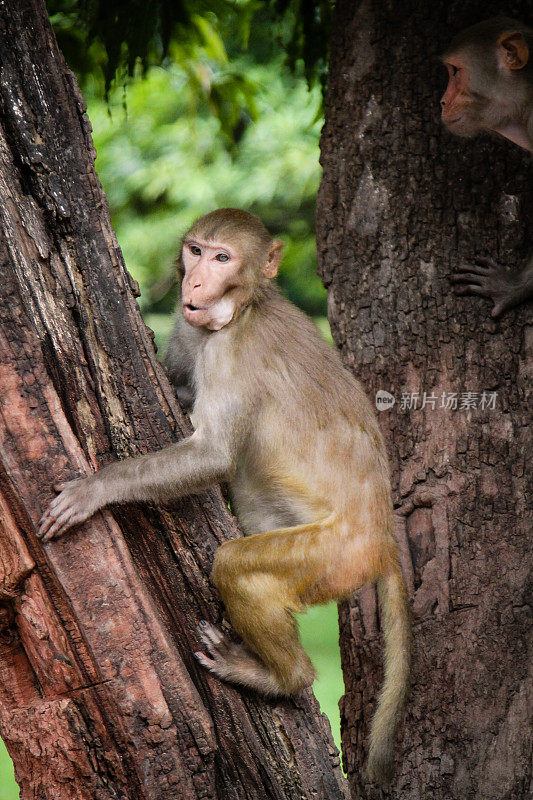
<point x="194" y="315"/>
<point x="448" y="120"/>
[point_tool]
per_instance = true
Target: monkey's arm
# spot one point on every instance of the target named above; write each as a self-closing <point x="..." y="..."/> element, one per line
<point x="183" y="468"/>
<point x="489" y="279"/>
<point x="185" y="395"/>
<point x="180" y="365"/>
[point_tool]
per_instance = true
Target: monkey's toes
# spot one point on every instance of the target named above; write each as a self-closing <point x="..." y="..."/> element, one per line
<point x="212" y="639"/>
<point x="205" y="661"/>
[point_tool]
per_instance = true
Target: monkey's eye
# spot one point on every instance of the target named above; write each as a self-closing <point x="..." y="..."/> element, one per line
<point x="222" y="257"/>
<point x="453" y="69"/>
<point x="195" y="250"/>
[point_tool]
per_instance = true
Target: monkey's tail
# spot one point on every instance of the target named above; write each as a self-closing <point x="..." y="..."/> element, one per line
<point x="388" y="715"/>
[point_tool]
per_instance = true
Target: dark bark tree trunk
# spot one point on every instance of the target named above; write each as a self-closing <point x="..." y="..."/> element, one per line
<point x="100" y="696"/>
<point x="401" y="204"/>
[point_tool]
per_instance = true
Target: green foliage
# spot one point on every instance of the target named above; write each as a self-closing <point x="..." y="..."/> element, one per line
<point x="164" y="162"/>
<point x="8" y="786"/>
<point x="319" y="632"/>
<point x="117" y="36"/>
<point x="309" y="32"/>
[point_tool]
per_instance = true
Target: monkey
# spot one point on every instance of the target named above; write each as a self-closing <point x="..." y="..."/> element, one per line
<point x="490" y="88"/>
<point x="278" y="419"/>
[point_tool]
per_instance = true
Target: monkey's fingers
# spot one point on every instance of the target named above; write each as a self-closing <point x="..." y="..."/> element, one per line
<point x="59" y="487"/>
<point x="57" y="504"/>
<point x="472" y="288"/>
<point x="46" y="521"/>
<point x="489" y="263"/>
<point x="54" y="510"/>
<point x="503" y="305"/>
<point x="468" y="277"/>
<point x="209" y="632"/>
<point x="57" y="524"/>
<point x="52" y="527"/>
<point x="61" y="514"/>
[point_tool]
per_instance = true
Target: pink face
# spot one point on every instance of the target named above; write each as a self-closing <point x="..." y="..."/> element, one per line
<point x="455" y="99"/>
<point x="211" y="273"/>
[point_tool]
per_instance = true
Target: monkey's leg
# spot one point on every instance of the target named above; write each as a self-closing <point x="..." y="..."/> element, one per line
<point x="259" y="608"/>
<point x="264" y="578"/>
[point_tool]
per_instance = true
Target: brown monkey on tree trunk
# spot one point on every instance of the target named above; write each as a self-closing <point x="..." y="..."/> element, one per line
<point x="279" y="419"/>
<point x="490" y="88"/>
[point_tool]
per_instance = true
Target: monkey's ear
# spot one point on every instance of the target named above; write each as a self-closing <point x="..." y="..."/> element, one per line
<point x="270" y="270"/>
<point x="513" y="51"/>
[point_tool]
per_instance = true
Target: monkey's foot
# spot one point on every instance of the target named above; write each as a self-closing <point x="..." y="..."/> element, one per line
<point x="234" y="662"/>
<point x="222" y="654"/>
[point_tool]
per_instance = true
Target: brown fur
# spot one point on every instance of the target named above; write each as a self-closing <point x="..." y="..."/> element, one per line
<point x="293" y="434"/>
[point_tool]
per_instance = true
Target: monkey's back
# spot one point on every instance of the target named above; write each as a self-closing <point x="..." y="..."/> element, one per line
<point x="314" y="444"/>
<point x="300" y="374"/>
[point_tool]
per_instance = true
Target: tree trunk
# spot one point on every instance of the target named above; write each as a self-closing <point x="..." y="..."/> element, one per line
<point x="401" y="204"/>
<point x="100" y="695"/>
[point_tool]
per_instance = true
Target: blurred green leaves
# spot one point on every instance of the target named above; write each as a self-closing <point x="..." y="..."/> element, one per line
<point x="119" y="35"/>
<point x="165" y="161"/>
<point x="204" y="111"/>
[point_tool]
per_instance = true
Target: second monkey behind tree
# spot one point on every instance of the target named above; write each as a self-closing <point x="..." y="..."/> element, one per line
<point x="293" y="434"/>
<point x="490" y="88"/>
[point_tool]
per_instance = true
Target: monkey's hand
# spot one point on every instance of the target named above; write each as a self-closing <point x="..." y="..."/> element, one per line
<point x="489" y="279"/>
<point x="77" y="501"/>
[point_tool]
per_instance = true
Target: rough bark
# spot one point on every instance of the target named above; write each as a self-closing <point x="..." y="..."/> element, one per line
<point x="401" y="204"/>
<point x="100" y="696"/>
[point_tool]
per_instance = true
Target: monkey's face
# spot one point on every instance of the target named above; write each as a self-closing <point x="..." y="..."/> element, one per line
<point x="488" y="81"/>
<point x="462" y="107"/>
<point x="212" y="286"/>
